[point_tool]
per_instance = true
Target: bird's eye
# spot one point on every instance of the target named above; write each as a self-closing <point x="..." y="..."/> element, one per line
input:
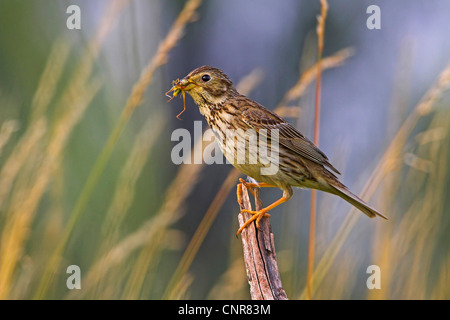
<point x="206" y="77"/>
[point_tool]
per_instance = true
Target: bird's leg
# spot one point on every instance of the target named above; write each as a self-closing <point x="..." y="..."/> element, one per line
<point x="250" y="187"/>
<point x="258" y="215"/>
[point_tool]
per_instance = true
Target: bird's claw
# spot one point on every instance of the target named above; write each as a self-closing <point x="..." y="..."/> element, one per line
<point x="256" y="215"/>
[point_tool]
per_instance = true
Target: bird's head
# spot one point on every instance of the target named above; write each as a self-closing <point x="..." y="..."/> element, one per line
<point x="208" y="86"/>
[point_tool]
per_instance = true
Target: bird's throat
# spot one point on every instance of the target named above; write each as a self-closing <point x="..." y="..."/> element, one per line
<point x="207" y="102"/>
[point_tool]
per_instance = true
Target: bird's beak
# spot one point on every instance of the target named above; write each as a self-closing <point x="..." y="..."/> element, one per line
<point x="186" y="84"/>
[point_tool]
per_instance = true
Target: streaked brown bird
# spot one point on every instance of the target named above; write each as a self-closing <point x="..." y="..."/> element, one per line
<point x="300" y="162"/>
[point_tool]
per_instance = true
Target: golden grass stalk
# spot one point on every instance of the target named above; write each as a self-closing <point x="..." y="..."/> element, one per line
<point x="312" y="221"/>
<point x="389" y="161"/>
<point x="321" y="36"/>
<point x="185" y="283"/>
<point x="51" y="75"/>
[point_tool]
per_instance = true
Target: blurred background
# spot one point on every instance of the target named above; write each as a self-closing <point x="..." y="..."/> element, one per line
<point x="86" y="176"/>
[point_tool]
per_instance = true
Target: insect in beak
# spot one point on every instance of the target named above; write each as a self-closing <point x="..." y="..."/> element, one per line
<point x="176" y="91"/>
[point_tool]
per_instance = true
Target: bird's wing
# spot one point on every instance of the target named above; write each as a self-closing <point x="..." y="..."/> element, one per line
<point x="258" y="118"/>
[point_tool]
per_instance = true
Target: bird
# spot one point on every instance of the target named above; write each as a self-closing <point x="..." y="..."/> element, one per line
<point x="300" y="162"/>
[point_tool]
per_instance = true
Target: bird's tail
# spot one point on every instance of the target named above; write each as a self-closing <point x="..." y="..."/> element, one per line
<point x="353" y="199"/>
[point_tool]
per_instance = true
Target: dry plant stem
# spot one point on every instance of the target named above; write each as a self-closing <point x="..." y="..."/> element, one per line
<point x="312" y="224"/>
<point x="311" y="244"/>
<point x="259" y="252"/>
